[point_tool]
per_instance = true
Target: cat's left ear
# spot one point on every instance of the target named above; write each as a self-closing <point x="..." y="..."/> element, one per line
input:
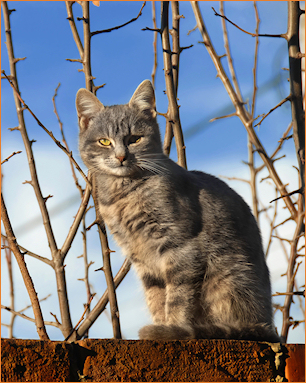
<point x="87" y="106"/>
<point x="144" y="98"/>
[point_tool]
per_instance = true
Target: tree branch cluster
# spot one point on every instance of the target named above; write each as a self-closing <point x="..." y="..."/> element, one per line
<point x="171" y="49"/>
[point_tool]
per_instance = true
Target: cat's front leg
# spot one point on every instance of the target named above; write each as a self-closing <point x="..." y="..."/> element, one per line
<point x="179" y="309"/>
<point x="155" y="293"/>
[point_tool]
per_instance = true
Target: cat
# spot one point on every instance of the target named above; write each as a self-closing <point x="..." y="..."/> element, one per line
<point x="192" y="239"/>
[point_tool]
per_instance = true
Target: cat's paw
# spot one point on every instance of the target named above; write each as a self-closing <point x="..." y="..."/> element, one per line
<point x="164" y="332"/>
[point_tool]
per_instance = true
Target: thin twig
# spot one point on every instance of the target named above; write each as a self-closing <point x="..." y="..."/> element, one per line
<point x="87" y="305"/>
<point x="174" y="117"/>
<point x="301" y="293"/>
<point x="69" y="154"/>
<point x="288" y="98"/>
<point x="272" y="227"/>
<point x="17" y="313"/>
<point x="228" y="54"/>
<point x="249" y="33"/>
<point x="86" y="58"/>
<point x="58" y="266"/>
<point x="279" y="146"/>
<point x="221" y="117"/>
<point x="298" y="191"/>
<point x="11" y="239"/>
<point x="27" y="252"/>
<point x="73" y="27"/>
<point x="8" y="257"/>
<point x="100" y="306"/>
<point x="154" y="44"/>
<point x="254" y="70"/>
<point x="107" y="266"/>
<point x="241" y="111"/>
<point x="120" y="26"/>
<point x="7" y="158"/>
<point x="297" y="107"/>
<point x="291" y="274"/>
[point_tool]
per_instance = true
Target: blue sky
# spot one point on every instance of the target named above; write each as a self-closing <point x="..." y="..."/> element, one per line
<point x="122" y="59"/>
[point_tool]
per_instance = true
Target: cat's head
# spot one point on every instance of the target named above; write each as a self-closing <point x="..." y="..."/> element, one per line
<point x="120" y="140"/>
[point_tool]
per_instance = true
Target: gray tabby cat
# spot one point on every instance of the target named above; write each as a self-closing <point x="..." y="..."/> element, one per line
<point x="192" y="240"/>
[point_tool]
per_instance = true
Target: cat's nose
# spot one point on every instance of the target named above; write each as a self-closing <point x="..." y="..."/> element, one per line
<point x="121" y="158"/>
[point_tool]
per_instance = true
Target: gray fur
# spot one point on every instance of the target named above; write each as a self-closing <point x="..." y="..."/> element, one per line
<point x="192" y="240"/>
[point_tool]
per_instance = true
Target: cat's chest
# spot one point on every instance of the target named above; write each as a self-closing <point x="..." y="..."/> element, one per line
<point x="133" y="216"/>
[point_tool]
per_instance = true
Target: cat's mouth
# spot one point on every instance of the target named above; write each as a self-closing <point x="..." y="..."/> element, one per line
<point x="124" y="169"/>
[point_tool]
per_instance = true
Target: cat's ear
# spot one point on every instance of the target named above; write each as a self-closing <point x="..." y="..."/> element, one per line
<point x="144" y="98"/>
<point x="87" y="106"/>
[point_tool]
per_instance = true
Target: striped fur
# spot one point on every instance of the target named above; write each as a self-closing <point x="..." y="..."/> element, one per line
<point x="192" y="240"/>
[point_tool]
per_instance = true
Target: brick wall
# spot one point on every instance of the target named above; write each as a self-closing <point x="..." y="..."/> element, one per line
<point x="104" y="360"/>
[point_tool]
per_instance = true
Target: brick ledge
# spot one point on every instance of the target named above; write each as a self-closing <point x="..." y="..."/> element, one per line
<point x="109" y="360"/>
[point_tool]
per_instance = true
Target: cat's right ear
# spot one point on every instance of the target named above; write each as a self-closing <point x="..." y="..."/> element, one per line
<point x="144" y="98"/>
<point x="87" y="106"/>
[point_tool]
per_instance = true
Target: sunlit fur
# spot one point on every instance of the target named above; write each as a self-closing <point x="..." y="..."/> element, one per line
<point x="192" y="240"/>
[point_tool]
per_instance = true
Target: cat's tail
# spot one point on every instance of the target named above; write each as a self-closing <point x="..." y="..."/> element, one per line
<point x="256" y="332"/>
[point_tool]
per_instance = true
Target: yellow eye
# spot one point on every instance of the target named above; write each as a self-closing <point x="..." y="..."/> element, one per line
<point x="134" y="139"/>
<point x="105" y="142"/>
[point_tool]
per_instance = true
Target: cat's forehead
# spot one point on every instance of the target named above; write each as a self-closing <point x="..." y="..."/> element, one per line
<point x="116" y="113"/>
<point x="116" y="120"/>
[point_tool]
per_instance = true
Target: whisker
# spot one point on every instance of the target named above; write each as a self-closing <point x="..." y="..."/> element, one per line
<point x="152" y="166"/>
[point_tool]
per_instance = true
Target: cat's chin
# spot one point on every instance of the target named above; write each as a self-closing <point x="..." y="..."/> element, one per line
<point x="122" y="171"/>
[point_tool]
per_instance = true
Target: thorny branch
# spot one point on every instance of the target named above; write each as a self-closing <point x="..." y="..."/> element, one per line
<point x="242" y="113"/>
<point x="171" y="87"/>
<point x="154" y="43"/>
<point x="60" y="275"/>
<point x="120" y="26"/>
<point x="27" y="252"/>
<point x="69" y="154"/>
<point x="11" y="239"/>
<point x="7" y="158"/>
<point x="171" y="62"/>
<point x="100" y="306"/>
<point x="85" y="54"/>
<point x="8" y="256"/>
<point x="255" y="145"/>
<point x="248" y="33"/>
<point x="297" y="110"/>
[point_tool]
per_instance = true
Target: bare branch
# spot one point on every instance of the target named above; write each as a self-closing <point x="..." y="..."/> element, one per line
<point x="291" y="273"/>
<point x="47" y="323"/>
<point x="174" y="117"/>
<point x="175" y="57"/>
<point x="73" y="27"/>
<point x="221" y="117"/>
<point x="255" y="61"/>
<point x="228" y="54"/>
<point x="8" y="256"/>
<point x="241" y="111"/>
<point x="154" y="43"/>
<point x="302" y="293"/>
<point x="7" y="158"/>
<point x="11" y="239"/>
<point x="69" y="154"/>
<point x="122" y="25"/>
<point x="27" y="252"/>
<point x="87" y="305"/>
<point x="23" y="131"/>
<point x="76" y="223"/>
<point x="107" y="266"/>
<point x="249" y="33"/>
<point x="299" y="191"/>
<point x="297" y="110"/>
<point x="272" y="110"/>
<point x="100" y="306"/>
<point x="65" y="142"/>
